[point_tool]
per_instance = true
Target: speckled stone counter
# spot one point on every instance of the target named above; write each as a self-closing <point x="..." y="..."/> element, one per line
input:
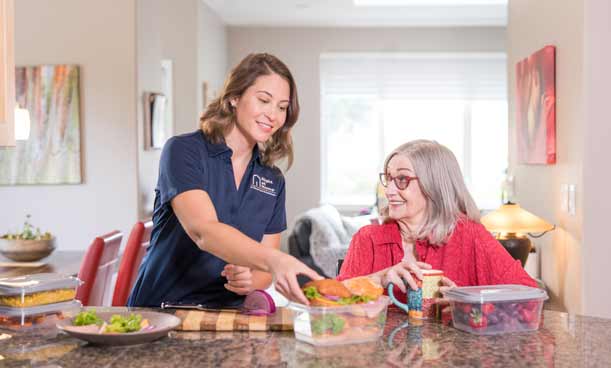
<point x="563" y="341"/>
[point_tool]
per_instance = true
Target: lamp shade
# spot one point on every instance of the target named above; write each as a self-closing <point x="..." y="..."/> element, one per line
<point x="511" y="218"/>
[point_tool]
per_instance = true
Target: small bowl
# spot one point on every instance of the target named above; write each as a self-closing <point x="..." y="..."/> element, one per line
<point x="26" y="250"/>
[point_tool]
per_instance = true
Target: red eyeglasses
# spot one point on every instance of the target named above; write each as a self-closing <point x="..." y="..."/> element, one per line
<point x="401" y="181"/>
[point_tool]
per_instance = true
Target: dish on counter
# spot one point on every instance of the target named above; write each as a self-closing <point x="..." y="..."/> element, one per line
<point x="496" y="309"/>
<point x="39" y="298"/>
<point x="37" y="290"/>
<point x="21" y="319"/>
<point x="353" y="311"/>
<point x="119" y="328"/>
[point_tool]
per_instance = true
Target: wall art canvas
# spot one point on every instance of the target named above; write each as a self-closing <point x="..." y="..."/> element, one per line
<point x="51" y="154"/>
<point x="536" y="107"/>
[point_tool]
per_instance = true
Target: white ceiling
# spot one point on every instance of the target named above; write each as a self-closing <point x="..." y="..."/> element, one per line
<point x="343" y="13"/>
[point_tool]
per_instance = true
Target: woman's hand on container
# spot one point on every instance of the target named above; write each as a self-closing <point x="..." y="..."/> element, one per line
<point x="405" y="273"/>
<point x="446" y="284"/>
<point x="284" y="269"/>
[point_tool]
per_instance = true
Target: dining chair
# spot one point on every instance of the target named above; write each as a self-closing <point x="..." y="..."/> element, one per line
<point x="97" y="269"/>
<point x="136" y="246"/>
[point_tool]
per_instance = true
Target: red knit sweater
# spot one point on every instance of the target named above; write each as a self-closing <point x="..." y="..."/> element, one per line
<point x="471" y="257"/>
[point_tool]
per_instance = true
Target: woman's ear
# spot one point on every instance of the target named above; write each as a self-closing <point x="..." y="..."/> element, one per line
<point x="233" y="102"/>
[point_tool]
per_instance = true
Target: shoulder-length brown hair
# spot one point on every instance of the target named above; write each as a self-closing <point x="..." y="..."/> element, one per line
<point x="219" y="116"/>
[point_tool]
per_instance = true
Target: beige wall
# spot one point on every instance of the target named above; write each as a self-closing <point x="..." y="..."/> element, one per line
<point x="597" y="151"/>
<point x="100" y="37"/>
<point x="212" y="54"/>
<point x="300" y="49"/>
<point x="191" y="35"/>
<point x="532" y="25"/>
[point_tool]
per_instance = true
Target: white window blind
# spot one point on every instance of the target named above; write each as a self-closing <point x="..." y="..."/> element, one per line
<point x="371" y="103"/>
<point x="415" y="76"/>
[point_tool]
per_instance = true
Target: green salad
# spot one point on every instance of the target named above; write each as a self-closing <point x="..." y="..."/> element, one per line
<point x="87" y="318"/>
<point x="117" y="323"/>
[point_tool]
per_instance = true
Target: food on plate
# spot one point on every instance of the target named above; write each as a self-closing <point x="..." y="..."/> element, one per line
<point x="38" y="298"/>
<point x="89" y="322"/>
<point x="86" y="318"/>
<point x="120" y="324"/>
<point x="333" y="293"/>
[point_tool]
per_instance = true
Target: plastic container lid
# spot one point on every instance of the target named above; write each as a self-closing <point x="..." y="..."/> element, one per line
<point x="39" y="309"/>
<point x="494" y="293"/>
<point x="36" y="283"/>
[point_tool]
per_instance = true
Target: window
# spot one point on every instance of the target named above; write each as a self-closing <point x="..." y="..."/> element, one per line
<point x="371" y="103"/>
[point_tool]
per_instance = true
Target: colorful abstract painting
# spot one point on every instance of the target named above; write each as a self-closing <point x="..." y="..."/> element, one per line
<point x="536" y="107"/>
<point x="52" y="152"/>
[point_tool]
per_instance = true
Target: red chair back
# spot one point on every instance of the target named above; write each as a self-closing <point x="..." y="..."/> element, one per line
<point x="97" y="269"/>
<point x="134" y="251"/>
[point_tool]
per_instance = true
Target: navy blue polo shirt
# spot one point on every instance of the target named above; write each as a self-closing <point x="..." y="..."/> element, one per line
<point x="174" y="268"/>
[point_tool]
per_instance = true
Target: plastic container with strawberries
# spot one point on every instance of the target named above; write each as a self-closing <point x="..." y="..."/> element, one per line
<point x="496" y="309"/>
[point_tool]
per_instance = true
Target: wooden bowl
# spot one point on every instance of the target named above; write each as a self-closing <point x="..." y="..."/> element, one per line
<point x="26" y="250"/>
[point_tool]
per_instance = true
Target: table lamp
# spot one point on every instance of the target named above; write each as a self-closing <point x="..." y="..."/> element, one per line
<point x="510" y="223"/>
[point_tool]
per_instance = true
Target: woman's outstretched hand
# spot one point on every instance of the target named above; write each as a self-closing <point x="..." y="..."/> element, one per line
<point x="284" y="269"/>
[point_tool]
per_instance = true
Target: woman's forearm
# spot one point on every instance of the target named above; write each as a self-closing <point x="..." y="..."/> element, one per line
<point x="232" y="246"/>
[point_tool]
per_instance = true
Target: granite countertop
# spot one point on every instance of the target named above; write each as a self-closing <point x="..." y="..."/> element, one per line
<point x="563" y="341"/>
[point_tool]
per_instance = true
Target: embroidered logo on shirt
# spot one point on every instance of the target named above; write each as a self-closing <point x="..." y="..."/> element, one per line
<point x="263" y="185"/>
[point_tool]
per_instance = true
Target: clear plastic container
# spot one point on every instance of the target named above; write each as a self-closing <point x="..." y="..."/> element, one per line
<point x="37" y="289"/>
<point x="496" y="309"/>
<point x="39" y="316"/>
<point x="326" y="326"/>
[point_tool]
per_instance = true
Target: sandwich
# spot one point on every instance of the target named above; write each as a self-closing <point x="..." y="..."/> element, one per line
<point x="333" y="293"/>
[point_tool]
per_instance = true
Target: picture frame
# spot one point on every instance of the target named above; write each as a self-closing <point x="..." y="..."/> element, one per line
<point x="48" y="151"/>
<point x="536" y="107"/>
<point x="156" y="127"/>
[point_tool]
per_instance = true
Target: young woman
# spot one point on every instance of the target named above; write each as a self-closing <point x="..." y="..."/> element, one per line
<point x="431" y="222"/>
<point x="220" y="201"/>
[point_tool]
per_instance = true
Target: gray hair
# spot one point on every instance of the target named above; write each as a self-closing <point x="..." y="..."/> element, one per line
<point x="443" y="185"/>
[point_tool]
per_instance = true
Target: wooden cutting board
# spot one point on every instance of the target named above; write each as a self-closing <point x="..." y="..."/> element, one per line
<point x="233" y="320"/>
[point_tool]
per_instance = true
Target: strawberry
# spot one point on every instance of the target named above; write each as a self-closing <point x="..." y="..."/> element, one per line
<point x="530" y="305"/>
<point x="477" y="320"/>
<point x="487" y="308"/>
<point x="527" y="316"/>
<point x="465" y="307"/>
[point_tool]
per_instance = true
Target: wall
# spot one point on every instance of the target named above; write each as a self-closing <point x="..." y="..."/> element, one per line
<point x="597" y="180"/>
<point x="532" y="25"/>
<point x="101" y="38"/>
<point x="191" y="35"/>
<point x="300" y="49"/>
<point x="212" y="54"/>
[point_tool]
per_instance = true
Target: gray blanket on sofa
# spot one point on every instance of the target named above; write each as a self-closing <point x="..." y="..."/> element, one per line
<point x="331" y="235"/>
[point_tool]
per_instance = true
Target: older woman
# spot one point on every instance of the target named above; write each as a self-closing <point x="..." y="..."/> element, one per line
<point x="432" y="222"/>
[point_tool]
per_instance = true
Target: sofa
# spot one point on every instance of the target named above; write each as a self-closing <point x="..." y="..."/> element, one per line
<point x="320" y="238"/>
